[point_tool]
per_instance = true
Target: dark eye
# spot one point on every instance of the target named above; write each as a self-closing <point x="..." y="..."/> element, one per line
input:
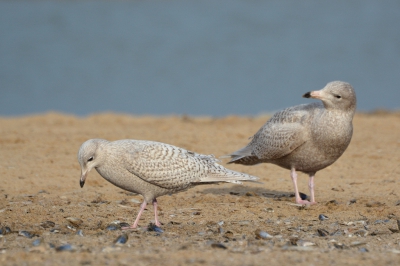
<point x="338" y="96"/>
<point x="90" y="159"/>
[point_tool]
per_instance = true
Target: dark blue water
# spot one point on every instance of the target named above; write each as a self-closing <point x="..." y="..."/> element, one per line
<point x="194" y="57"/>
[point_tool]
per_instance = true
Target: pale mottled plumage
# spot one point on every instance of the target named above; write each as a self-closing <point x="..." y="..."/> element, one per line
<point x="307" y="137"/>
<point x="152" y="169"/>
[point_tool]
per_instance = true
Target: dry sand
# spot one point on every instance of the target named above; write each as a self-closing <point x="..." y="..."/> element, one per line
<point x="210" y="224"/>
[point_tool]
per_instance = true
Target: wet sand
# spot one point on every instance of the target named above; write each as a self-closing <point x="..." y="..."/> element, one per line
<point x="210" y="224"/>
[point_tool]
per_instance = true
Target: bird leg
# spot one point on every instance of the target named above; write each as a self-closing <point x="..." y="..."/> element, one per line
<point x="156" y="222"/>
<point x="293" y="174"/>
<point x="135" y="224"/>
<point x="311" y="187"/>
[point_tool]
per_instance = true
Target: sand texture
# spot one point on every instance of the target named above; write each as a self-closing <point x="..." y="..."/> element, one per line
<point x="47" y="219"/>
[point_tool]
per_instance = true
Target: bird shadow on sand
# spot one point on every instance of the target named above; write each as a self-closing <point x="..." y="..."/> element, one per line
<point x="248" y="191"/>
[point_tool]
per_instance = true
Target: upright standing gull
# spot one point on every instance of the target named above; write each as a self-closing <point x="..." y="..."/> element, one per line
<point x="152" y="169"/>
<point x="307" y="137"/>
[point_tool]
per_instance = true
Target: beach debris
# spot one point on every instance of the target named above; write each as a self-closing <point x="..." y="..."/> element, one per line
<point x="154" y="228"/>
<point x="26" y="234"/>
<point x="76" y="222"/>
<point x="65" y="247"/>
<point x="36" y="242"/>
<point x="80" y="232"/>
<point x="47" y="224"/>
<point x="269" y="210"/>
<point x="361" y="232"/>
<point x="322" y="217"/>
<point x="113" y="227"/>
<point x="218" y="245"/>
<point x="322" y="232"/>
<point x="262" y="234"/>
<point x="121" y="240"/>
<point x="5" y="230"/>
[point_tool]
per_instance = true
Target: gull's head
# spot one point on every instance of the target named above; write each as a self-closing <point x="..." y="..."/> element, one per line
<point x="89" y="157"/>
<point x="336" y="95"/>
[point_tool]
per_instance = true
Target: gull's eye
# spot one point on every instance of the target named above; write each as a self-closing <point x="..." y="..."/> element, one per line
<point x="338" y="96"/>
<point x="90" y="159"/>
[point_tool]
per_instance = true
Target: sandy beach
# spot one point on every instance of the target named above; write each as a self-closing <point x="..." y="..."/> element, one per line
<point x="210" y="224"/>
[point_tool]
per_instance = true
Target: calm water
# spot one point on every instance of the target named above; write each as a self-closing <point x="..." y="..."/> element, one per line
<point x="194" y="57"/>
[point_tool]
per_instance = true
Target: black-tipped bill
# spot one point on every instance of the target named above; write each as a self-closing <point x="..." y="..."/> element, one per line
<point x="81" y="182"/>
<point x="307" y="95"/>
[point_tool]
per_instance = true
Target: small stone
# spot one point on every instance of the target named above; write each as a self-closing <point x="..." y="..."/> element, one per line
<point x="322" y="217"/>
<point x="322" y="232"/>
<point x="262" y="234"/>
<point x="26" y="234"/>
<point x="340" y="246"/>
<point x="113" y="227"/>
<point x="361" y="232"/>
<point x="66" y="247"/>
<point x="36" y="242"/>
<point x="303" y="196"/>
<point x="218" y="245"/>
<point x="269" y="210"/>
<point x="121" y="240"/>
<point x="74" y="221"/>
<point x="154" y="228"/>
<point x="352" y="201"/>
<point x="357" y="243"/>
<point x="47" y="224"/>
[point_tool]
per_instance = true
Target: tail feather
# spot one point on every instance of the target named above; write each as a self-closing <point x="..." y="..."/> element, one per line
<point x="221" y="174"/>
<point x="243" y="156"/>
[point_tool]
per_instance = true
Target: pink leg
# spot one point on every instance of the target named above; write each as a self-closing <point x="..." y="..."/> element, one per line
<point x="293" y="174"/>
<point x="156" y="221"/>
<point x="135" y="224"/>
<point x="311" y="187"/>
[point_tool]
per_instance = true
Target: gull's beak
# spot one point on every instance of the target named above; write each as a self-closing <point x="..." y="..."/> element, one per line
<point x="83" y="178"/>
<point x="313" y="94"/>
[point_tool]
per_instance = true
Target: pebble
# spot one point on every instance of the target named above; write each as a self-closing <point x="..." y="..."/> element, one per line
<point x="47" y="224"/>
<point x="303" y="196"/>
<point x="74" y="221"/>
<point x="121" y="240"/>
<point x="113" y="227"/>
<point x="340" y="246"/>
<point x="322" y="217"/>
<point x="218" y="245"/>
<point x="154" y="228"/>
<point x="26" y="234"/>
<point x="123" y="224"/>
<point x="361" y="232"/>
<point x="357" y="243"/>
<point x="5" y="230"/>
<point x="302" y="243"/>
<point x="262" y="234"/>
<point x="66" y="247"/>
<point x="269" y="210"/>
<point x="80" y="233"/>
<point x="322" y="232"/>
<point x="36" y="242"/>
